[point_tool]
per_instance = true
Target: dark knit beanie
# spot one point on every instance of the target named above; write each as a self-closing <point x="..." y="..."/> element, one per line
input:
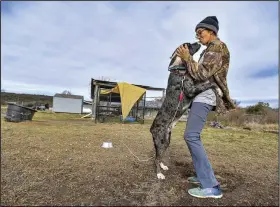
<point x="210" y="22"/>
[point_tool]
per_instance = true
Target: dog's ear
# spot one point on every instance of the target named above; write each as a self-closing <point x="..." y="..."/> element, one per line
<point x="185" y="45"/>
<point x="190" y="48"/>
<point x="174" y="53"/>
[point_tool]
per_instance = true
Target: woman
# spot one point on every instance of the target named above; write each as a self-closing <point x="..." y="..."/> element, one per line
<point x="214" y="62"/>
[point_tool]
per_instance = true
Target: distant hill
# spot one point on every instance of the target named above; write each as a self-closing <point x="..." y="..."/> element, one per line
<point x="25" y="98"/>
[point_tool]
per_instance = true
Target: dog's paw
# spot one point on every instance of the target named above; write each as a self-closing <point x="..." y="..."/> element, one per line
<point x="164" y="167"/>
<point x="160" y="176"/>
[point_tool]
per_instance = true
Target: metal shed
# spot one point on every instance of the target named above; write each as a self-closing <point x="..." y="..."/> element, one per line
<point x="68" y="103"/>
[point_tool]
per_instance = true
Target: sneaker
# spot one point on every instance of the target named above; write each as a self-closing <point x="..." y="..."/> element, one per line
<point x="193" y="180"/>
<point x="206" y="192"/>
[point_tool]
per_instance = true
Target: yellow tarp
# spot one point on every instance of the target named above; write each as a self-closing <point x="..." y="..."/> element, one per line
<point x="130" y="94"/>
<point x="105" y="91"/>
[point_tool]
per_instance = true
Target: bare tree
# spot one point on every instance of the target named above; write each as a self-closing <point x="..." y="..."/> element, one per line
<point x="67" y="92"/>
<point x="104" y="78"/>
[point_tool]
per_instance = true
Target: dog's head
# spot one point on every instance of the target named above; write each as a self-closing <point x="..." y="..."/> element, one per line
<point x="176" y="62"/>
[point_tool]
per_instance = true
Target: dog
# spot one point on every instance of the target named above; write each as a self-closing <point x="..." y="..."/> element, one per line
<point x="172" y="109"/>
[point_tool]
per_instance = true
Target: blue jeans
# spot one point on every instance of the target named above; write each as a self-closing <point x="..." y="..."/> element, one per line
<point x="196" y="121"/>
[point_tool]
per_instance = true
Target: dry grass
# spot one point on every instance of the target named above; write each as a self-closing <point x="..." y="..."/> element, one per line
<point x="57" y="160"/>
<point x="262" y="127"/>
<point x="240" y="118"/>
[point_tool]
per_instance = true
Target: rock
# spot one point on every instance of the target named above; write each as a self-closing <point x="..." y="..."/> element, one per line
<point x="215" y="124"/>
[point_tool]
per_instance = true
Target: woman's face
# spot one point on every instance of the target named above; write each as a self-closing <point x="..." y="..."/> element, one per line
<point x="203" y="35"/>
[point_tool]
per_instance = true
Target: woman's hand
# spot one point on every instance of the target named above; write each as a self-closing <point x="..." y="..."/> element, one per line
<point x="183" y="52"/>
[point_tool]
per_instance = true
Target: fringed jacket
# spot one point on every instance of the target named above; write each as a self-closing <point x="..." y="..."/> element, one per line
<point x="215" y="65"/>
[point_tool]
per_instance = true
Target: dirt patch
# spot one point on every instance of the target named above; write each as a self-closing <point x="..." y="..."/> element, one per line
<point x="56" y="162"/>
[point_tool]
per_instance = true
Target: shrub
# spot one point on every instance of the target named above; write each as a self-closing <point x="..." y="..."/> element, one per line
<point x="261" y="113"/>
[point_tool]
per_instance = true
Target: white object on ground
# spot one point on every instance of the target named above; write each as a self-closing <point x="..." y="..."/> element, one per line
<point x="86" y="115"/>
<point x="107" y="145"/>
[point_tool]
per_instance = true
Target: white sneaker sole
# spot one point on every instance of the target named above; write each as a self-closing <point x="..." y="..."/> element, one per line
<point x="197" y="196"/>
<point x="197" y="183"/>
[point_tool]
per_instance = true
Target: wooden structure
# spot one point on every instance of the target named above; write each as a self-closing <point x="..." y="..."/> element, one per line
<point x="109" y="105"/>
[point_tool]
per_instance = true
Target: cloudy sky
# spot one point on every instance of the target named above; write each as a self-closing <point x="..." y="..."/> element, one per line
<point x="48" y="47"/>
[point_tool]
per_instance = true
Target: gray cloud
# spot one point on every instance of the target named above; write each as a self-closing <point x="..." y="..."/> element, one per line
<point x="54" y="46"/>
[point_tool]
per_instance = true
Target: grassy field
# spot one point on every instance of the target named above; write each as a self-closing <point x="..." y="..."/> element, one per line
<point x="56" y="159"/>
